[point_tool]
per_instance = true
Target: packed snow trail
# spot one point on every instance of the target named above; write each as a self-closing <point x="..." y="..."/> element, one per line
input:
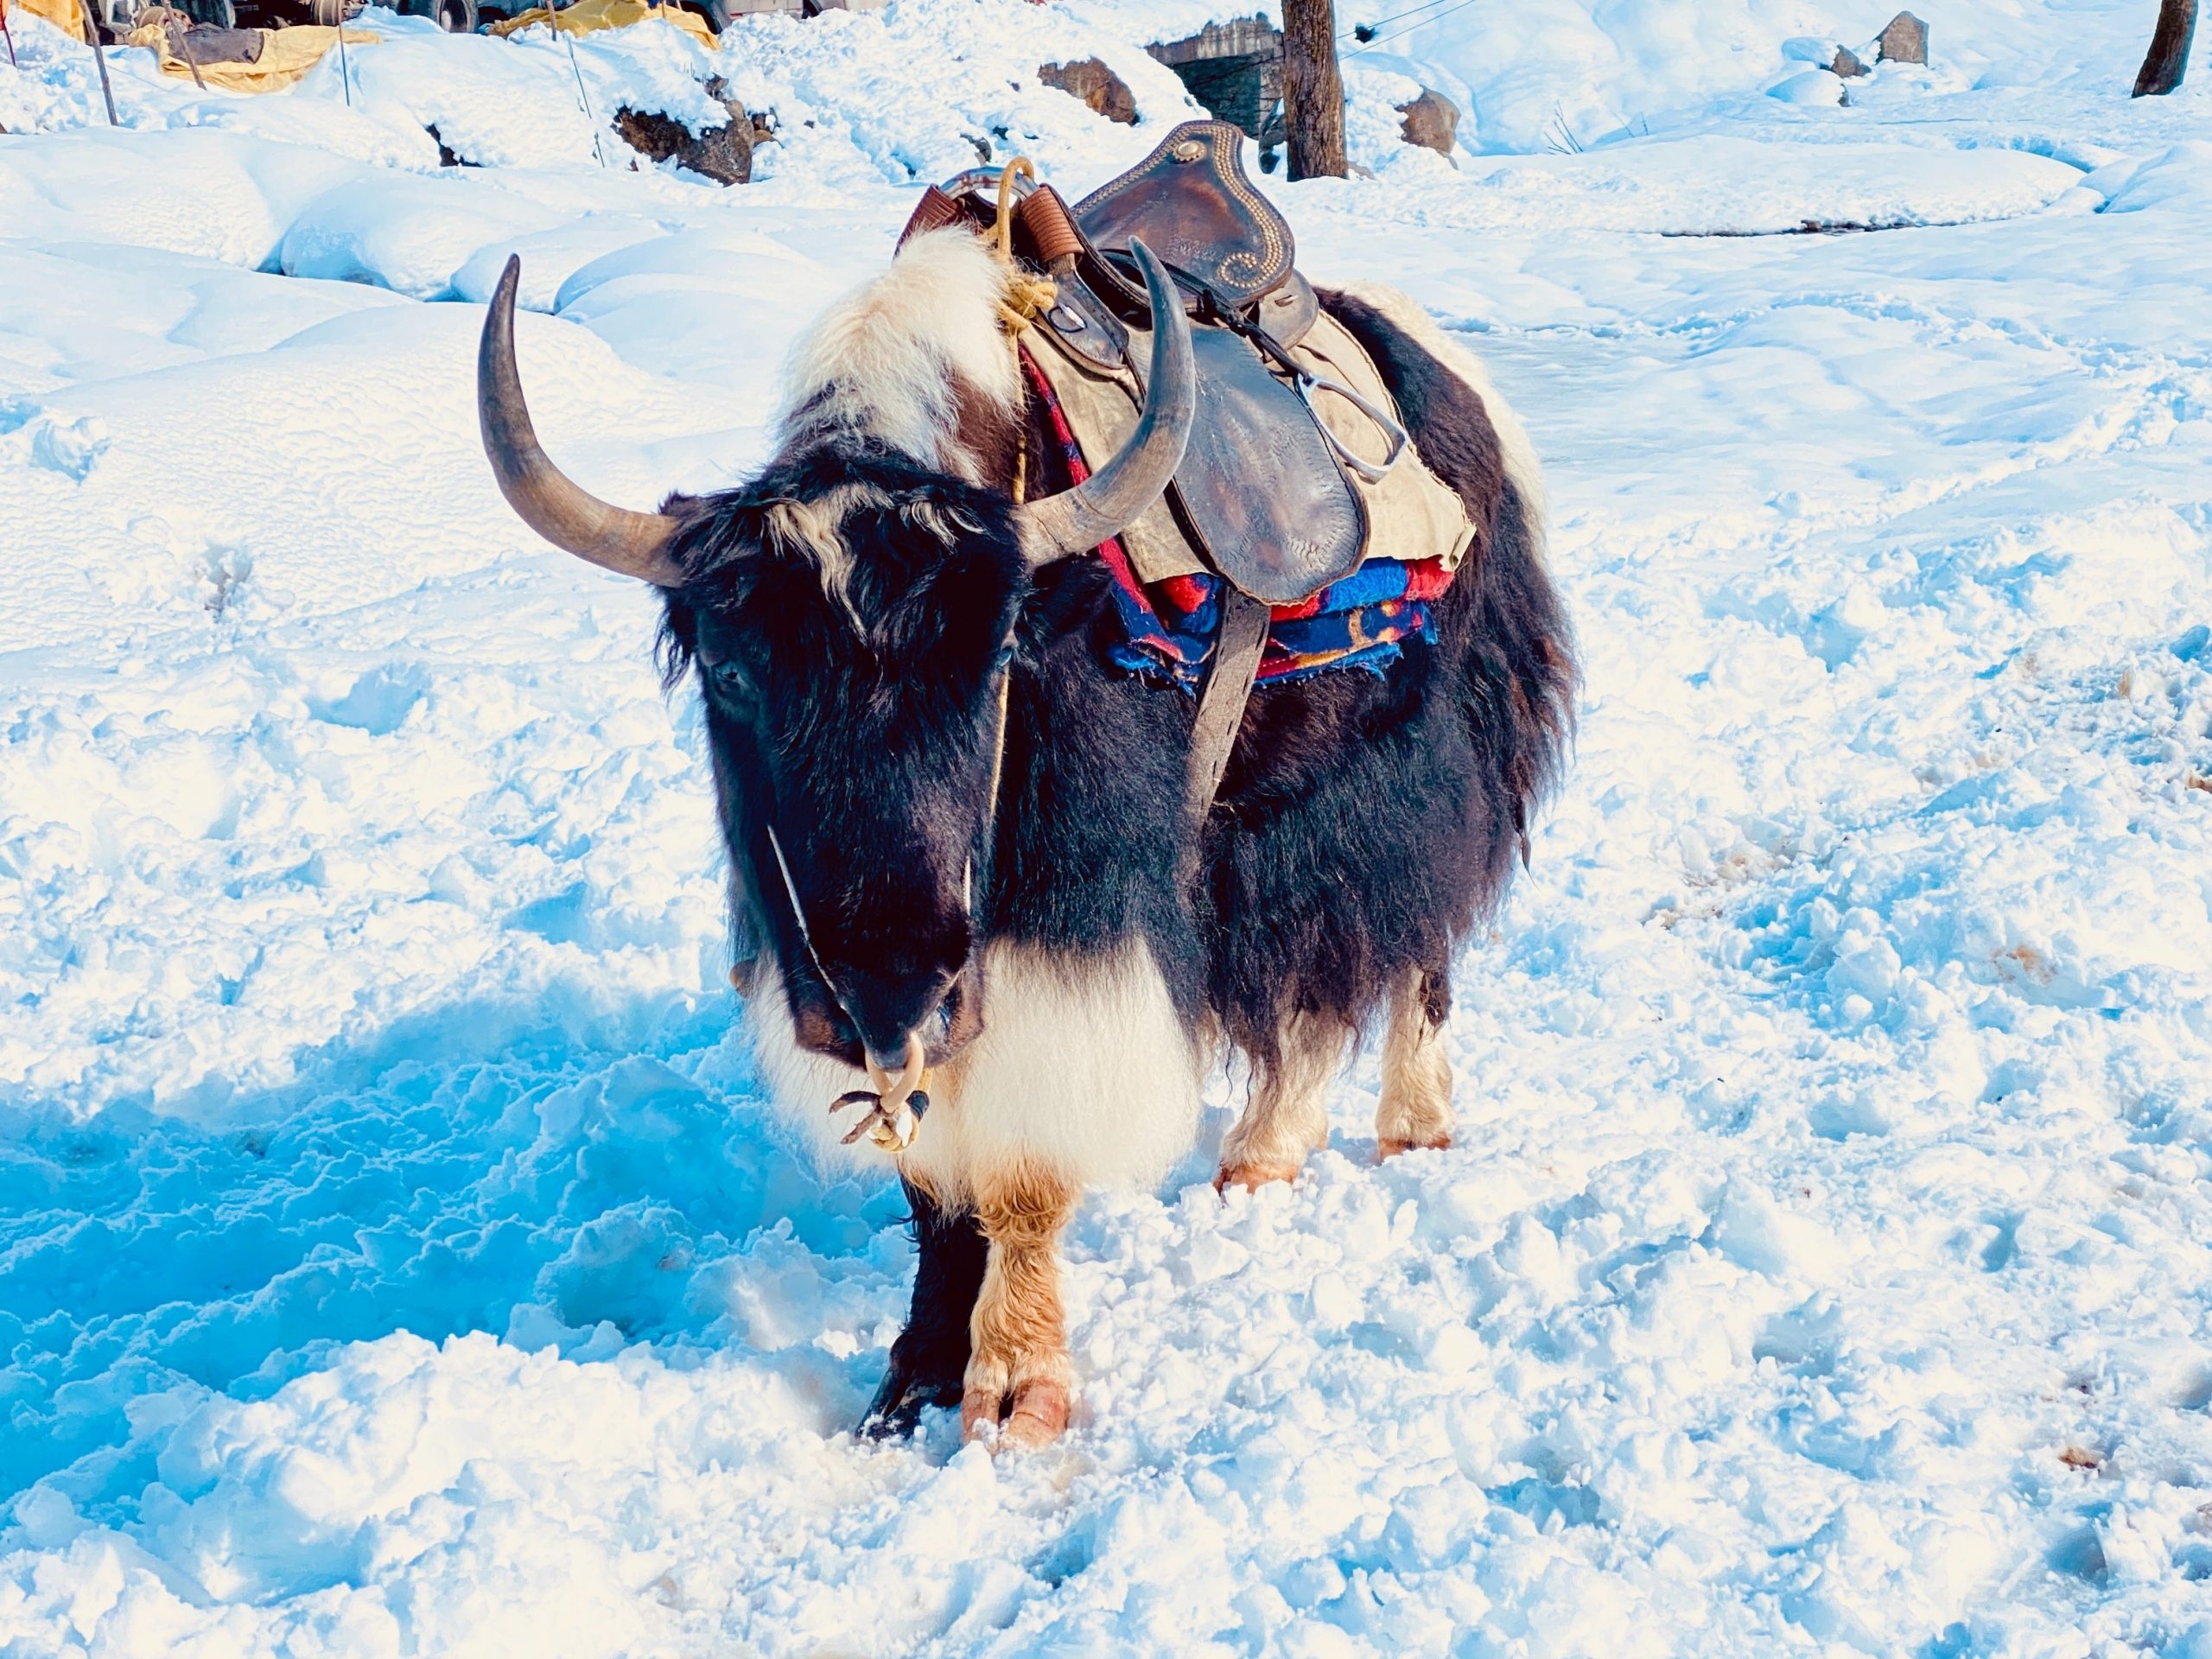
<point x="396" y="1256"/>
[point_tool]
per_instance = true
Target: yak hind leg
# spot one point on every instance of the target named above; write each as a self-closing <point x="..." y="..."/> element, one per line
<point x="930" y="1358"/>
<point x="1287" y="1115"/>
<point x="1416" y="1108"/>
<point x="1020" y="1380"/>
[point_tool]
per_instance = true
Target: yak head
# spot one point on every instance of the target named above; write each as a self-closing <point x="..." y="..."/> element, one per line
<point x="853" y="616"/>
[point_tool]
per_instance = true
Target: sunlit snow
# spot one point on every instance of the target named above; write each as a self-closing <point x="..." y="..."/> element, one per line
<point x="396" y="1255"/>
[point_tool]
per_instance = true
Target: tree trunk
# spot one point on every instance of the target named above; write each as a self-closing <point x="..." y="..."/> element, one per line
<point x="1314" y="90"/>
<point x="2168" y="55"/>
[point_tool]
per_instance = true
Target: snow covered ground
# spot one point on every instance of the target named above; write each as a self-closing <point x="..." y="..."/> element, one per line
<point x="395" y="1257"/>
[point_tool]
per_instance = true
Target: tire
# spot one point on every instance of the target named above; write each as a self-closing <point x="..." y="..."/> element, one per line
<point x="455" y="17"/>
<point x="327" y="14"/>
<point x="216" y="14"/>
<point x="714" y="11"/>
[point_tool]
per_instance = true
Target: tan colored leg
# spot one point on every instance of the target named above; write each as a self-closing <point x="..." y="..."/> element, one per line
<point x="1415" y="1108"/>
<point x="1288" y="1117"/>
<point x="1018" y="1364"/>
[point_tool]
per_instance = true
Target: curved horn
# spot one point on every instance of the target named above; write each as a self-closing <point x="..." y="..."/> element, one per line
<point x="1076" y="520"/>
<point x="546" y="498"/>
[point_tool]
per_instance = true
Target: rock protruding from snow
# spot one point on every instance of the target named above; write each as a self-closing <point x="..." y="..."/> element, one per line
<point x="723" y="154"/>
<point x="1090" y="79"/>
<point x="1846" y="65"/>
<point x="1903" y="40"/>
<point x="1432" y="121"/>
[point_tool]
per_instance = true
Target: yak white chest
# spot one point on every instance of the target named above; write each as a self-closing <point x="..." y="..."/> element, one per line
<point x="1083" y="1072"/>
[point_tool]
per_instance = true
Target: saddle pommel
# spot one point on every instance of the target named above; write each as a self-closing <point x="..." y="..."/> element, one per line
<point x="1190" y="203"/>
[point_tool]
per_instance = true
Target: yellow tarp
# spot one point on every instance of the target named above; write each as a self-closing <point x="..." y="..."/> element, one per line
<point x="68" y="15"/>
<point x="588" y="17"/>
<point x="286" y="55"/>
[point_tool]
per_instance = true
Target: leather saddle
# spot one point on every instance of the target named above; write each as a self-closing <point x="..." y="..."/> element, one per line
<point x="1262" y="494"/>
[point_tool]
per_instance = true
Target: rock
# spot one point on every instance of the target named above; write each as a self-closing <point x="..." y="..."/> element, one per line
<point x="1432" y="121"/>
<point x="1905" y="40"/>
<point x="763" y="125"/>
<point x="1090" y="79"/>
<point x="1846" y="64"/>
<point x="723" y="154"/>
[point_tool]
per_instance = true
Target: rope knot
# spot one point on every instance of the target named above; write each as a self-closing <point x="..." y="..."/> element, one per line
<point x="1028" y="297"/>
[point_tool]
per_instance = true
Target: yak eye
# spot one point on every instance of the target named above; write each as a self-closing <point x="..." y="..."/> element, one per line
<point x="1004" y="659"/>
<point x="730" y="677"/>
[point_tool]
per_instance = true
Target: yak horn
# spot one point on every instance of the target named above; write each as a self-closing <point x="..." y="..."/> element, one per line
<point x="546" y="498"/>
<point x="1104" y="504"/>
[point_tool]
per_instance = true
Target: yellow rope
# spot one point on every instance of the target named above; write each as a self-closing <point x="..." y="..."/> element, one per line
<point x="1028" y="297"/>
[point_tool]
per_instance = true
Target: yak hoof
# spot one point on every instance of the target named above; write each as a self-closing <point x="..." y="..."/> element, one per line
<point x="907" y="1388"/>
<point x="1389" y="1147"/>
<point x="1038" y="1417"/>
<point x="1253" y="1177"/>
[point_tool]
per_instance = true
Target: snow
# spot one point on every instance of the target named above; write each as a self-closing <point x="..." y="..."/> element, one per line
<point x="396" y="1255"/>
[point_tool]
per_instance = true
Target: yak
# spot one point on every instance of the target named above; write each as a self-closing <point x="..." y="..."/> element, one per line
<point x="960" y="853"/>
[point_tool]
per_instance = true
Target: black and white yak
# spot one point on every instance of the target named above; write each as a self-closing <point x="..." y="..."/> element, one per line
<point x="952" y="825"/>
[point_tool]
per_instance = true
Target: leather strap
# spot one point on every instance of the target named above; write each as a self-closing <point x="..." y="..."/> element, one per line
<point x="933" y="211"/>
<point x="1236" y="653"/>
<point x="1051" y="228"/>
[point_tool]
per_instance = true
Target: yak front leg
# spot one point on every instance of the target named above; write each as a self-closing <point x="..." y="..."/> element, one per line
<point x="930" y="1358"/>
<point x="1018" y="1368"/>
<point x="1287" y="1115"/>
<point x="1416" y="1108"/>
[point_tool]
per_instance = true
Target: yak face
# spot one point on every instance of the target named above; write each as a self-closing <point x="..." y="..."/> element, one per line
<point x="852" y="613"/>
<point x="853" y="634"/>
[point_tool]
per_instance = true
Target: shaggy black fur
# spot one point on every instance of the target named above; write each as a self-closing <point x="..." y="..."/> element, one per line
<point x="1366" y="823"/>
<point x="930" y="1356"/>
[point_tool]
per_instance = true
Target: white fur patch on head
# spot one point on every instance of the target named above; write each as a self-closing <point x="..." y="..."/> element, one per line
<point x="817" y="525"/>
<point x="891" y="359"/>
<point x="1518" y="453"/>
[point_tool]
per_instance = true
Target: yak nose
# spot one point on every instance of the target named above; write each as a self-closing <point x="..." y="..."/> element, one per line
<point x="887" y="1010"/>
<point x="896" y="1080"/>
<point x="940" y="1012"/>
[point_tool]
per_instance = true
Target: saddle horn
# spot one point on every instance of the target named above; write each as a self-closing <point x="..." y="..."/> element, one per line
<point x="543" y="497"/>
<point x="1105" y="505"/>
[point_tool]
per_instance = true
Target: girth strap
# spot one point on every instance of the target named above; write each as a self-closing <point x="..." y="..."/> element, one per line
<point x="1236" y="655"/>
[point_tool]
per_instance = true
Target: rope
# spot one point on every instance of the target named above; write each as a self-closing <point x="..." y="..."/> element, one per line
<point x="1027" y="297"/>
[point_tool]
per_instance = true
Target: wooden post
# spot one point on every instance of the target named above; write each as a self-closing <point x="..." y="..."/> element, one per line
<point x="93" y="34"/>
<point x="1314" y="90"/>
<point x="2168" y="59"/>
